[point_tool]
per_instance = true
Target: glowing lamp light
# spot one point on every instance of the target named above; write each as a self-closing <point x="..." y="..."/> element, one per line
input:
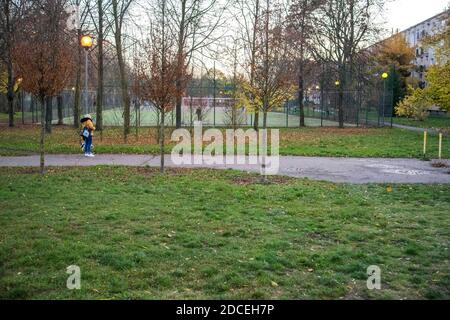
<point x="385" y="75"/>
<point x="337" y="83"/>
<point x="86" y="42"/>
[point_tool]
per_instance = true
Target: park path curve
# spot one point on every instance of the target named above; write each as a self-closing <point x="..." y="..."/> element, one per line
<point x="348" y="170"/>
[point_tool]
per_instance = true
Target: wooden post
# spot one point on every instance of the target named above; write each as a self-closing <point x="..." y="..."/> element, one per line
<point x="440" y="146"/>
<point x="425" y="138"/>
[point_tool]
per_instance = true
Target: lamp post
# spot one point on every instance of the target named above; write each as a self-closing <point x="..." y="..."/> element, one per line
<point x="86" y="43"/>
<point x="385" y="76"/>
<point x="337" y="83"/>
<point x="19" y="87"/>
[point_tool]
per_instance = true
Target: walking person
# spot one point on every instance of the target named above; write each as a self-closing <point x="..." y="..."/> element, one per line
<point x="87" y="133"/>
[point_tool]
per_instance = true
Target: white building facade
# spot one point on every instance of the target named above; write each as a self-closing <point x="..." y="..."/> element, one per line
<point x="425" y="57"/>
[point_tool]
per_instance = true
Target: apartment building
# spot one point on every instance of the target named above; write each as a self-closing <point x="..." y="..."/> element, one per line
<point x="425" y="57"/>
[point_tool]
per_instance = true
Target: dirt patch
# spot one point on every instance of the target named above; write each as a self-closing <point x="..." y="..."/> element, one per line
<point x="254" y="179"/>
<point x="20" y="170"/>
<point x="440" y="164"/>
<point x="152" y="171"/>
<point x="317" y="133"/>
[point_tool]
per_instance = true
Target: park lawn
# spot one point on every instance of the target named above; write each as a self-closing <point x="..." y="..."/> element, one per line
<point x="349" y="142"/>
<point x="203" y="234"/>
<point x="428" y="123"/>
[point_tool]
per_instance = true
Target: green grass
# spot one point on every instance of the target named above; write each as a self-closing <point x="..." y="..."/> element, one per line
<point x="350" y="142"/>
<point x="431" y="122"/>
<point x="4" y="117"/>
<point x="217" y="235"/>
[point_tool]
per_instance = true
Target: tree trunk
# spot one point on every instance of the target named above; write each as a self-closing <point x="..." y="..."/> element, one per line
<point x="77" y="98"/>
<point x="60" y="110"/>
<point x="180" y="63"/>
<point x="265" y="119"/>
<point x="161" y="139"/>
<point x="100" y="70"/>
<point x="123" y="76"/>
<point x="42" y="138"/>
<point x="256" y="120"/>
<point x="300" y="100"/>
<point x="253" y="58"/>
<point x="32" y="107"/>
<point x="340" y="89"/>
<point x="341" y="107"/>
<point x="10" y="95"/>
<point x="178" y="108"/>
<point x="48" y="114"/>
<point x="10" y="111"/>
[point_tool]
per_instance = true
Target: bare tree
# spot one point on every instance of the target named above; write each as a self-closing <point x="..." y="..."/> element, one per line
<point x="82" y="10"/>
<point x="158" y="70"/>
<point x="119" y="11"/>
<point x="343" y="28"/>
<point x="101" y="27"/>
<point x="249" y="21"/>
<point x="301" y="27"/>
<point x="194" y="22"/>
<point x="272" y="71"/>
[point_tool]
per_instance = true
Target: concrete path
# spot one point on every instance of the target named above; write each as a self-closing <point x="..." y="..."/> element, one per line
<point x="416" y="129"/>
<point x="352" y="170"/>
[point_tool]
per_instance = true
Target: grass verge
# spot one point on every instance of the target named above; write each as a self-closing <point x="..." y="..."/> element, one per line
<point x="203" y="234"/>
<point x="350" y="142"/>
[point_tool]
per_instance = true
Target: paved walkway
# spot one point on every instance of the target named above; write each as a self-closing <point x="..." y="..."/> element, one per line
<point x="416" y="129"/>
<point x="352" y="170"/>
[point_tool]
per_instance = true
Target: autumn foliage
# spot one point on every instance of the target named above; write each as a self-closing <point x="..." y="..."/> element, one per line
<point x="45" y="55"/>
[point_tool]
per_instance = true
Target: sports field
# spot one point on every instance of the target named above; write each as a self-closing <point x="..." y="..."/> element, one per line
<point x="148" y="117"/>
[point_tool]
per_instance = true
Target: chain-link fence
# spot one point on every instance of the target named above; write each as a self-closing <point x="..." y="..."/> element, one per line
<point x="371" y="106"/>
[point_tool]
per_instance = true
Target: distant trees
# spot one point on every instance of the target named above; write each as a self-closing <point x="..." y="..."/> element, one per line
<point x="81" y="9"/>
<point x="342" y="29"/>
<point x="119" y="11"/>
<point x="249" y="22"/>
<point x="194" y="23"/>
<point x="301" y="29"/>
<point x="437" y="92"/>
<point x="395" y="56"/>
<point x="12" y="15"/>
<point x="269" y="63"/>
<point x="437" y="89"/>
<point x="45" y="56"/>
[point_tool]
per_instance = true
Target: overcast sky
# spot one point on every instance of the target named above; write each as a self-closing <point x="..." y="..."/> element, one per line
<point x="402" y="14"/>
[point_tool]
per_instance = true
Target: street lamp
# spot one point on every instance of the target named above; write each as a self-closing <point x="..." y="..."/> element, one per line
<point x="337" y="83"/>
<point x="385" y="76"/>
<point x="86" y="43"/>
<point x="19" y="84"/>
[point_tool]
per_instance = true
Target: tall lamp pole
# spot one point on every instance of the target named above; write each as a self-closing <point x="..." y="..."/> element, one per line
<point x="385" y="76"/>
<point x="86" y="43"/>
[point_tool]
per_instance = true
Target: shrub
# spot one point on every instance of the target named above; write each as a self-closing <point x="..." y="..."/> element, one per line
<point x="414" y="105"/>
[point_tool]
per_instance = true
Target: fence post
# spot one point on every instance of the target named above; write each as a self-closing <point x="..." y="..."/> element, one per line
<point x="425" y="137"/>
<point x="440" y="146"/>
<point x="321" y="104"/>
<point x="287" y="114"/>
